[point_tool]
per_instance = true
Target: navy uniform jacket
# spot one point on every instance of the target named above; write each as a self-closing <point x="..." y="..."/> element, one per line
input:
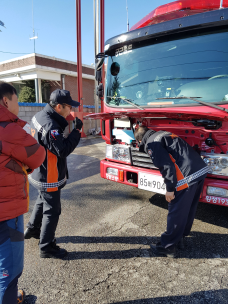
<point x="47" y="128"/>
<point x="180" y="165"/>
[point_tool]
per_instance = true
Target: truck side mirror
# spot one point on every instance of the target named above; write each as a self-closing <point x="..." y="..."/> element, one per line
<point x="99" y="63"/>
<point x="98" y="67"/>
<point x="115" y="69"/>
<point x="100" y="90"/>
<point x="98" y="75"/>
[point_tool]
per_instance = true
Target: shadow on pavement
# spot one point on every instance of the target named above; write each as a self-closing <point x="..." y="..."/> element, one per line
<point x="108" y="255"/>
<point x="198" y="245"/>
<point x="208" y="213"/>
<point x="106" y="239"/>
<point x="97" y="191"/>
<point x="81" y="166"/>
<point x="201" y="297"/>
<point x="90" y="141"/>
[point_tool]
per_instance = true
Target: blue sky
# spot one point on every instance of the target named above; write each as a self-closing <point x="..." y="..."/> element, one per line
<point x="55" y="23"/>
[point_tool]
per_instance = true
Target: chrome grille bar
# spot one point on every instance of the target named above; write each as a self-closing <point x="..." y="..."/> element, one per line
<point x="141" y="159"/>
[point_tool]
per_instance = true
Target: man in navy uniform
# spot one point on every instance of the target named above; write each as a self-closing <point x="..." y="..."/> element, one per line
<point x="184" y="172"/>
<point x="47" y="127"/>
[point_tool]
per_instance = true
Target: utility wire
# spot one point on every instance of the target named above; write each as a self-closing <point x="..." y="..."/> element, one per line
<point x="15" y="53"/>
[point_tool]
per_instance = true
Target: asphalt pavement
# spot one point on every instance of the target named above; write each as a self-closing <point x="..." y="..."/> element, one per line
<point x="107" y="227"/>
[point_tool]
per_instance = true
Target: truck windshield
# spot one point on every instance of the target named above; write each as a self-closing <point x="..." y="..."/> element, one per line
<point x="194" y="66"/>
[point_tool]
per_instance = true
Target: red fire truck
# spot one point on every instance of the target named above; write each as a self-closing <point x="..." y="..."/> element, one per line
<point x="169" y="72"/>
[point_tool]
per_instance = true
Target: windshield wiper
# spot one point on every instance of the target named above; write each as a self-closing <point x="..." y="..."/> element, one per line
<point x="128" y="101"/>
<point x="197" y="100"/>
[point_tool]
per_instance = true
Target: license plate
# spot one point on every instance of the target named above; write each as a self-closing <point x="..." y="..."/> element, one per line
<point x="151" y="182"/>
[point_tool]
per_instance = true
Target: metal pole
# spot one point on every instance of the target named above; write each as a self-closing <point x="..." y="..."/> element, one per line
<point x="79" y="54"/>
<point x="79" y="61"/>
<point x="96" y="52"/>
<point x="127" y="17"/>
<point x="97" y="26"/>
<point x="33" y="27"/>
<point x="96" y="43"/>
<point x="102" y="42"/>
<point x="94" y="21"/>
<point x="34" y="42"/>
<point x="63" y="81"/>
<point x="221" y="4"/>
<point x="37" y="89"/>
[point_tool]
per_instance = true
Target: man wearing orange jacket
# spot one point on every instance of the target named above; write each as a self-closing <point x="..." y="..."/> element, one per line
<point x="20" y="154"/>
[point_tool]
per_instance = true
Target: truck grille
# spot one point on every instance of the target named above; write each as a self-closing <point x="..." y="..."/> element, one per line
<point x="140" y="159"/>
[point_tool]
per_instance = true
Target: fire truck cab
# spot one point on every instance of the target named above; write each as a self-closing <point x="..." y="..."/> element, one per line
<point x="170" y="72"/>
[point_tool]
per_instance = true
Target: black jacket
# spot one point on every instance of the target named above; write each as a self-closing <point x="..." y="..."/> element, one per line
<point x="179" y="164"/>
<point x="47" y="128"/>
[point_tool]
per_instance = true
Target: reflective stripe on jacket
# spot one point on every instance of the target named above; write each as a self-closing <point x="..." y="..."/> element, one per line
<point x="179" y="164"/>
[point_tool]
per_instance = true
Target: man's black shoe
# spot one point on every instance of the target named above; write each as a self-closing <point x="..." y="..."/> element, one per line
<point x="158" y="249"/>
<point x="180" y="244"/>
<point x="32" y="232"/>
<point x="53" y="251"/>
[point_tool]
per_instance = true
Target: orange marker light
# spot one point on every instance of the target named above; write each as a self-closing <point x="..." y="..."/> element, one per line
<point x="121" y="175"/>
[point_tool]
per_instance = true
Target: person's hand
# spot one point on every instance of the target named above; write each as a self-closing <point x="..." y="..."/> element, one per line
<point x="169" y="196"/>
<point x="26" y="167"/>
<point x="78" y="123"/>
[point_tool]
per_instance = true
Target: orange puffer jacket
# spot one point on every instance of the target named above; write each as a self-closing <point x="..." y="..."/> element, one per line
<point x="17" y="148"/>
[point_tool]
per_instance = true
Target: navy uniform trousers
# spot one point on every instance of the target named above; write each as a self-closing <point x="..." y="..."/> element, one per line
<point x="45" y="216"/>
<point x="181" y="214"/>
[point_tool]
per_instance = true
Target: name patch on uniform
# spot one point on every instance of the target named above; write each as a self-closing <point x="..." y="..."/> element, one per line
<point x="5" y="273"/>
<point x="150" y="152"/>
<point x="54" y="133"/>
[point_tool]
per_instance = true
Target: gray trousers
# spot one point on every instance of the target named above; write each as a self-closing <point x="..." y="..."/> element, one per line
<point x="181" y="214"/>
<point x="45" y="216"/>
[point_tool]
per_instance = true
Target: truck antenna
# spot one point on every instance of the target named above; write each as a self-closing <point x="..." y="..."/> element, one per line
<point x="33" y="31"/>
<point x="127" y="17"/>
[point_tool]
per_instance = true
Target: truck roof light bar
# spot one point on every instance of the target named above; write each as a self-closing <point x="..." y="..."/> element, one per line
<point x="178" y="9"/>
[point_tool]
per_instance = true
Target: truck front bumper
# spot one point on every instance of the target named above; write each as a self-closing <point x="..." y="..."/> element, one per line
<point x="129" y="176"/>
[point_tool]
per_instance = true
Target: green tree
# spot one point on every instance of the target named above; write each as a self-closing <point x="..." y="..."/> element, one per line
<point x="27" y="94"/>
<point x="29" y="83"/>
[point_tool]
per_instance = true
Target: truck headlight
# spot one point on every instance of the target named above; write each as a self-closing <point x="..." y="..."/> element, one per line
<point x="118" y="152"/>
<point x="215" y="191"/>
<point x="112" y="171"/>
<point x="218" y="163"/>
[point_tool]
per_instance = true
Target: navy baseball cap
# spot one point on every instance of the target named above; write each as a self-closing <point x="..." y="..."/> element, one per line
<point x="63" y="96"/>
